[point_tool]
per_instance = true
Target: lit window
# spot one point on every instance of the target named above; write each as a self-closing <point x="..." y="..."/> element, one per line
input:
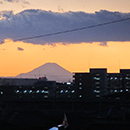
<point x="80" y="96"/>
<point x="97" y="91"/>
<point x="66" y="91"/>
<point x="42" y="91"/>
<point x="80" y="88"/>
<point x="94" y="78"/>
<point x="97" y="78"/>
<point x="115" y="78"/>
<point x="30" y="91"/>
<point x="45" y="96"/>
<point x="25" y="91"/>
<point x="115" y="91"/>
<point x="111" y="78"/>
<point x="73" y="91"/>
<point x="127" y="90"/>
<point x="121" y="90"/>
<point x="68" y="83"/>
<point x="80" y="83"/>
<point x="46" y="92"/>
<point x="37" y="91"/>
<point x="61" y="91"/>
<point x="17" y="91"/>
<point x="1" y="92"/>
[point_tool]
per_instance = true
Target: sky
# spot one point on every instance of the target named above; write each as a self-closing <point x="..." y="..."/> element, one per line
<point x="100" y="47"/>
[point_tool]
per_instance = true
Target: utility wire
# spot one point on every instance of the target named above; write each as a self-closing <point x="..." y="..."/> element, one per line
<point x="71" y="30"/>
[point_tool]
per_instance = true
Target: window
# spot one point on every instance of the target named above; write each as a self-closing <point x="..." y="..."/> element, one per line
<point x="17" y="91"/>
<point x="46" y="92"/>
<point x="66" y="91"/>
<point x="42" y="91"/>
<point x="25" y="91"/>
<point x="80" y="83"/>
<point x="73" y="91"/>
<point x="80" y="96"/>
<point x="37" y="91"/>
<point x="30" y="91"/>
<point x="45" y="96"/>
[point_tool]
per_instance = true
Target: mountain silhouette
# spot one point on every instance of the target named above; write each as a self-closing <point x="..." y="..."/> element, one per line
<point x="52" y="71"/>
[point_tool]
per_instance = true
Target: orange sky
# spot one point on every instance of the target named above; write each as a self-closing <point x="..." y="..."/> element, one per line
<point x="73" y="57"/>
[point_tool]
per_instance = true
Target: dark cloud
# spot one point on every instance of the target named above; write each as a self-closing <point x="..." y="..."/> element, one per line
<point x="38" y="22"/>
<point x="16" y="1"/>
<point x="20" y="49"/>
<point x="11" y="0"/>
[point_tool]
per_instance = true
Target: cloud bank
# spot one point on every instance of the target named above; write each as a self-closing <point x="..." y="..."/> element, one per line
<point x="14" y="1"/>
<point x="30" y="23"/>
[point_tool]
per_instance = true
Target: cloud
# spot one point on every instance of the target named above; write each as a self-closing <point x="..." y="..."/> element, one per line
<point x="1" y="2"/>
<point x="20" y="49"/>
<point x="103" y="44"/>
<point x="12" y="1"/>
<point x="29" y="23"/>
<point x="16" y="1"/>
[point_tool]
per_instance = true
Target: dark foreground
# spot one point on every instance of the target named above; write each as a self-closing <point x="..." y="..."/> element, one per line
<point x="91" y="115"/>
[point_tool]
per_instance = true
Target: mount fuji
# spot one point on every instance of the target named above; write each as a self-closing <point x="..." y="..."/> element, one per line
<point x="52" y="71"/>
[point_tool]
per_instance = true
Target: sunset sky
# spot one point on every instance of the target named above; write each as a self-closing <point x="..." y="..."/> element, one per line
<point x="101" y="47"/>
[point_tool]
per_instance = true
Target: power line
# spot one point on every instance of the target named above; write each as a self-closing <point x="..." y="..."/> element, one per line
<point x="71" y="30"/>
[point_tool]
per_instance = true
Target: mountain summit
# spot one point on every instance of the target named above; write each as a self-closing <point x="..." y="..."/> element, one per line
<point x="52" y="71"/>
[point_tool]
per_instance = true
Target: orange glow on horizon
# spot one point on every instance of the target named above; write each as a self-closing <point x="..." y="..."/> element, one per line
<point x="73" y="57"/>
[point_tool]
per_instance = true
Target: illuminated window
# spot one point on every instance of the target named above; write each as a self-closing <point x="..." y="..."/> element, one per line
<point x="80" y="83"/>
<point x="121" y="90"/>
<point x="115" y="91"/>
<point x="25" y="91"/>
<point x="42" y="91"/>
<point x="80" y="88"/>
<point x="66" y="91"/>
<point x="73" y="91"/>
<point x="127" y="90"/>
<point x="46" y="92"/>
<point x="80" y="96"/>
<point x="37" y="91"/>
<point x="97" y="91"/>
<point x="17" y="91"/>
<point x="68" y="83"/>
<point x="46" y="96"/>
<point x="61" y="91"/>
<point x="115" y="78"/>
<point x="1" y="92"/>
<point x="30" y="91"/>
<point x="111" y="78"/>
